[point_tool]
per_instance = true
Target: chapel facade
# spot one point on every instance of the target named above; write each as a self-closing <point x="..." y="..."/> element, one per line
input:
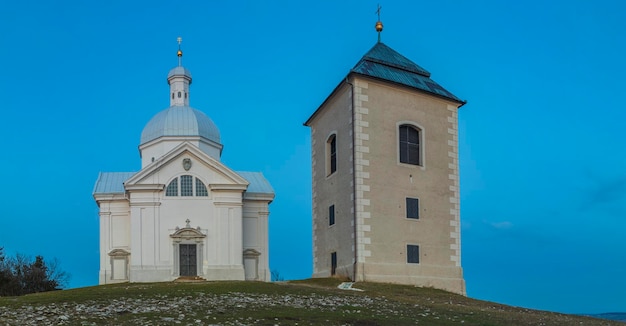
<point x="185" y="213"/>
<point x="385" y="176"/>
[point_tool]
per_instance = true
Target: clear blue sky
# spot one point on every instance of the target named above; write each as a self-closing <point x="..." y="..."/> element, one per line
<point x="543" y="159"/>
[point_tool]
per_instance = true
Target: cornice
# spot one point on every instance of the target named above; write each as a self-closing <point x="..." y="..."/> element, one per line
<point x="226" y="187"/>
<point x="144" y="187"/>
<point x="145" y="203"/>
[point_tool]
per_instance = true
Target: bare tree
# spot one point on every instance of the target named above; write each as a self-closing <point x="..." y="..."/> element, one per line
<point x="21" y="275"/>
<point x="276" y="277"/>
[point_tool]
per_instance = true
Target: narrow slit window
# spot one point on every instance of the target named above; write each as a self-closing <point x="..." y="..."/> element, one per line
<point x="331" y="147"/>
<point x="331" y="215"/>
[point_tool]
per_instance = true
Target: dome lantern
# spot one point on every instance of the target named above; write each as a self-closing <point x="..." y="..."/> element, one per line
<point x="179" y="80"/>
<point x="181" y="122"/>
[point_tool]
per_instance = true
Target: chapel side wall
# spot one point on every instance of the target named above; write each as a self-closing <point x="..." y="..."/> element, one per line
<point x="388" y="182"/>
<point x="255" y="234"/>
<point x="114" y="220"/>
<point x="334" y="189"/>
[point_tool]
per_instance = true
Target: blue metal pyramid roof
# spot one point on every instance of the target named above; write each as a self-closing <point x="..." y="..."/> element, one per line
<point x="382" y="62"/>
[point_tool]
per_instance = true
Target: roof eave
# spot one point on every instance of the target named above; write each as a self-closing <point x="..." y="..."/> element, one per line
<point x="109" y="196"/>
<point x="307" y="123"/>
<point x="319" y="109"/>
<point x="259" y="196"/>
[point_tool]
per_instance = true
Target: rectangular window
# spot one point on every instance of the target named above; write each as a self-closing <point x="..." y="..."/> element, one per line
<point x="412" y="208"/>
<point x="412" y="254"/>
<point x="333" y="263"/>
<point x="331" y="215"/>
<point x="186" y="185"/>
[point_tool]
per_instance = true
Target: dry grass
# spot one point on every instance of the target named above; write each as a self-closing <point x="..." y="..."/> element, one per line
<point x="307" y="302"/>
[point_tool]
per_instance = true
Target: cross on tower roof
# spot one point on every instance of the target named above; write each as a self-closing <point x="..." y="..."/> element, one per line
<point x="379" y="24"/>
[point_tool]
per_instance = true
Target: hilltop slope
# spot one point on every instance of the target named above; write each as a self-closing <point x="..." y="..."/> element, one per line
<point x="308" y="302"/>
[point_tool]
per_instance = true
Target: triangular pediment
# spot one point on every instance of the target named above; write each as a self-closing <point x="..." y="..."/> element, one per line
<point x="186" y="159"/>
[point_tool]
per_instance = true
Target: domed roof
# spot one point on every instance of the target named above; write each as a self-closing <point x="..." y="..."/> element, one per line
<point x="179" y="71"/>
<point x="180" y="121"/>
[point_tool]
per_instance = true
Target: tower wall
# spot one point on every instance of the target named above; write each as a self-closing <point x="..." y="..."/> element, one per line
<point x="371" y="180"/>
<point x="386" y="183"/>
<point x="333" y="189"/>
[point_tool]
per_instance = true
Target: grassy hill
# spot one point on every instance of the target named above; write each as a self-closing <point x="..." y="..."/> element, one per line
<point x="307" y="302"/>
<point x="618" y="316"/>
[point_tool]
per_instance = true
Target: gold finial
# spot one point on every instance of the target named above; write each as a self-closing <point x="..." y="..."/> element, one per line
<point x="180" y="52"/>
<point x="379" y="24"/>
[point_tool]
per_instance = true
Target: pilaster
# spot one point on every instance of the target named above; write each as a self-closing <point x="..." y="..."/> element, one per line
<point x="361" y="188"/>
<point x="453" y="176"/>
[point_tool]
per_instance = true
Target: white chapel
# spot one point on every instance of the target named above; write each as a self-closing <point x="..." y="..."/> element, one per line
<point x="185" y="213"/>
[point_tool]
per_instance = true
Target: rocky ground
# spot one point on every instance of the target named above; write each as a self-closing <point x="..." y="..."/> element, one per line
<point x="307" y="302"/>
<point x="183" y="310"/>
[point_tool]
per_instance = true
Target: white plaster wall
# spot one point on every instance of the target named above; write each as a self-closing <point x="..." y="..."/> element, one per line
<point x="114" y="234"/>
<point x="156" y="217"/>
<point x="143" y="223"/>
<point x="159" y="147"/>
<point x="255" y="234"/>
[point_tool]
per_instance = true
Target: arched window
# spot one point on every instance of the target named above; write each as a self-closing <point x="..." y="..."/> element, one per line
<point x="201" y="189"/>
<point x="410" y="139"/>
<point x="172" y="188"/>
<point x="331" y="150"/>
<point x="186" y="186"/>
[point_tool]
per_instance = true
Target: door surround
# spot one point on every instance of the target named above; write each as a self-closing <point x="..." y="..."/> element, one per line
<point x="187" y="236"/>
